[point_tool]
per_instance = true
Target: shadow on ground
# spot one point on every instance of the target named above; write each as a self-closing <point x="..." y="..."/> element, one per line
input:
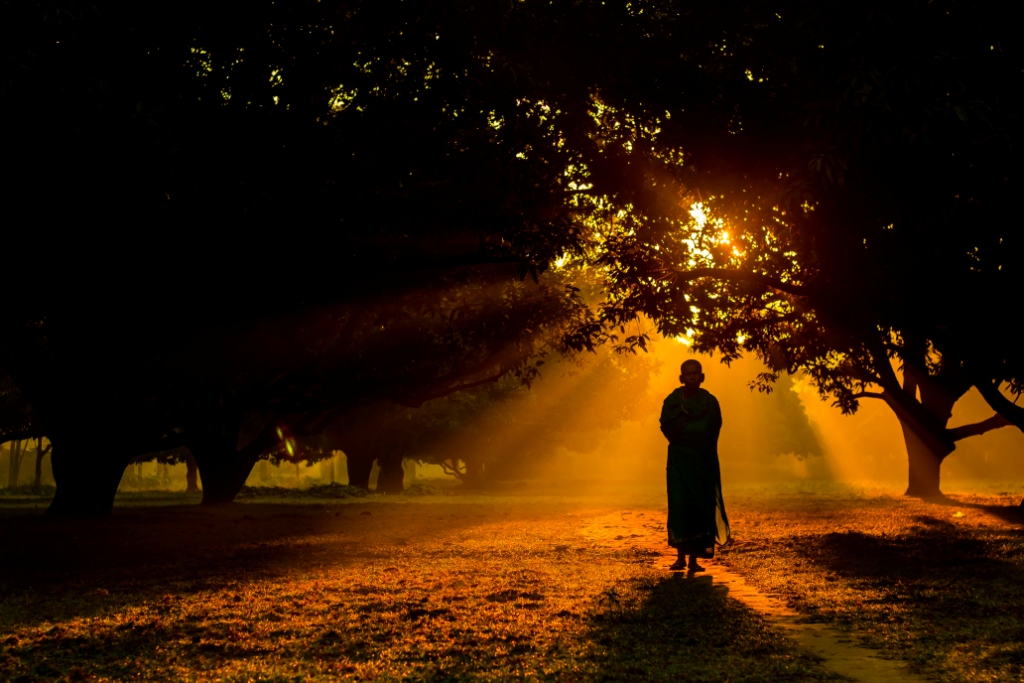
<point x="945" y="591"/>
<point x="67" y="567"/>
<point x="431" y="591"/>
<point x="679" y="625"/>
<point x="1011" y="514"/>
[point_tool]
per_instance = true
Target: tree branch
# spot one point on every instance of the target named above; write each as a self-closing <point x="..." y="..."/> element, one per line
<point x="314" y="423"/>
<point x="773" y="320"/>
<point x="931" y="430"/>
<point x="978" y="428"/>
<point x="740" y="276"/>
<point x="453" y="468"/>
<point x="999" y="403"/>
<point x="266" y="439"/>
<point x="416" y="400"/>
<point x="927" y="427"/>
<point x="868" y="394"/>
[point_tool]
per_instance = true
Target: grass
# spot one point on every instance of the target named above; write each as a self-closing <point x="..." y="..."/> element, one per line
<point x="434" y="588"/>
<point x="939" y="584"/>
<point x="441" y="586"/>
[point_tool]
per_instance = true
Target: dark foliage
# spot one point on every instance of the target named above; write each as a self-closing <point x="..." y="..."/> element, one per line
<point x="239" y="196"/>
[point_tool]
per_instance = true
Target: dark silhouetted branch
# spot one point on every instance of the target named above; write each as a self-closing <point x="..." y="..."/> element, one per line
<point x="978" y="428"/>
<point x="1011" y="411"/>
<point x="416" y="399"/>
<point x="868" y="394"/>
<point x="453" y="468"/>
<point x="927" y="427"/>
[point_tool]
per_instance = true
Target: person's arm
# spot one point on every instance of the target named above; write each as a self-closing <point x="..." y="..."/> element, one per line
<point x="673" y="419"/>
<point x="709" y="424"/>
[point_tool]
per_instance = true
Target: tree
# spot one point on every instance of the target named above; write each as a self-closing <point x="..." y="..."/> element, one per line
<point x="782" y="419"/>
<point x="381" y="432"/>
<point x="432" y="139"/>
<point x="419" y="195"/>
<point x="19" y="423"/>
<point x="818" y="213"/>
<point x="17" y="419"/>
<point x="496" y="430"/>
<point x="37" y="479"/>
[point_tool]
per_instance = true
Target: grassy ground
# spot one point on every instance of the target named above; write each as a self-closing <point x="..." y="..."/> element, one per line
<point x="436" y="588"/>
<point x="940" y="584"/>
<point x="457" y="587"/>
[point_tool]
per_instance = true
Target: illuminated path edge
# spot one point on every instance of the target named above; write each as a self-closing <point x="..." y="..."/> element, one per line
<point x="645" y="530"/>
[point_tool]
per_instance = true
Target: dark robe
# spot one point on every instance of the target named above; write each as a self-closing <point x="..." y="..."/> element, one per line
<point x="696" y="510"/>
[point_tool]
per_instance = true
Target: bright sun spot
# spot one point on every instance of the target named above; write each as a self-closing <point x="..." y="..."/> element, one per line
<point x="697" y="212"/>
<point x="686" y="339"/>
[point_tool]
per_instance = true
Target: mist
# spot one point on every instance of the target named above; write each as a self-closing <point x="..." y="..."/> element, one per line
<point x="865" y="449"/>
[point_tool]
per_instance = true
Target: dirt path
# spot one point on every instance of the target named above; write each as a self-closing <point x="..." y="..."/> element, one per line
<point x="645" y="531"/>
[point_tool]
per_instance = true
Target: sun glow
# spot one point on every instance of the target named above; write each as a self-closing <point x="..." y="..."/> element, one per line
<point x="685" y="339"/>
<point x="698" y="214"/>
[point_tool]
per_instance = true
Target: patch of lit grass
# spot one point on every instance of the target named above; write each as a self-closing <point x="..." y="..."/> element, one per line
<point x="940" y="584"/>
<point x="437" y="590"/>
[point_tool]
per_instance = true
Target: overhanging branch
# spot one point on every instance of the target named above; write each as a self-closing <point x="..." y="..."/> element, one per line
<point x="1013" y="413"/>
<point x="978" y="428"/>
<point x="451" y="468"/>
<point x="927" y="427"/>
<point x="418" y="399"/>
<point x="868" y="394"/>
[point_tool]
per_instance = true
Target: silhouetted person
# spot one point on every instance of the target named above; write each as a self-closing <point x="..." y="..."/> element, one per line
<point x="691" y="421"/>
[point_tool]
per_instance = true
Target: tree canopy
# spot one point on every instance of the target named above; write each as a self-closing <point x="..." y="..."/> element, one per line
<point x="848" y="212"/>
<point x="272" y="202"/>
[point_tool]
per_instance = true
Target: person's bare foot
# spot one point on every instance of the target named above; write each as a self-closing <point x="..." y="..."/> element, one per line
<point x="693" y="567"/>
<point x="679" y="565"/>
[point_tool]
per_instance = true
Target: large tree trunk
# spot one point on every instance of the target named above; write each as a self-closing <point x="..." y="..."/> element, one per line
<point x="924" y="466"/>
<point x="191" y="474"/>
<point x="927" y="440"/>
<point x="17" y="451"/>
<point x="223" y="471"/>
<point x="37" y="480"/>
<point x="474" y="476"/>
<point x="391" y="478"/>
<point x="359" y="470"/>
<point x="223" y="475"/>
<point x="86" y="481"/>
<point x="222" y="465"/>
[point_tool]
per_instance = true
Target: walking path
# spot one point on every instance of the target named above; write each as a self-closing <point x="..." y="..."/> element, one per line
<point x="645" y="530"/>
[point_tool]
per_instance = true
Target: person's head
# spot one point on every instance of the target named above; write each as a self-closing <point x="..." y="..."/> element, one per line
<point x="691" y="374"/>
